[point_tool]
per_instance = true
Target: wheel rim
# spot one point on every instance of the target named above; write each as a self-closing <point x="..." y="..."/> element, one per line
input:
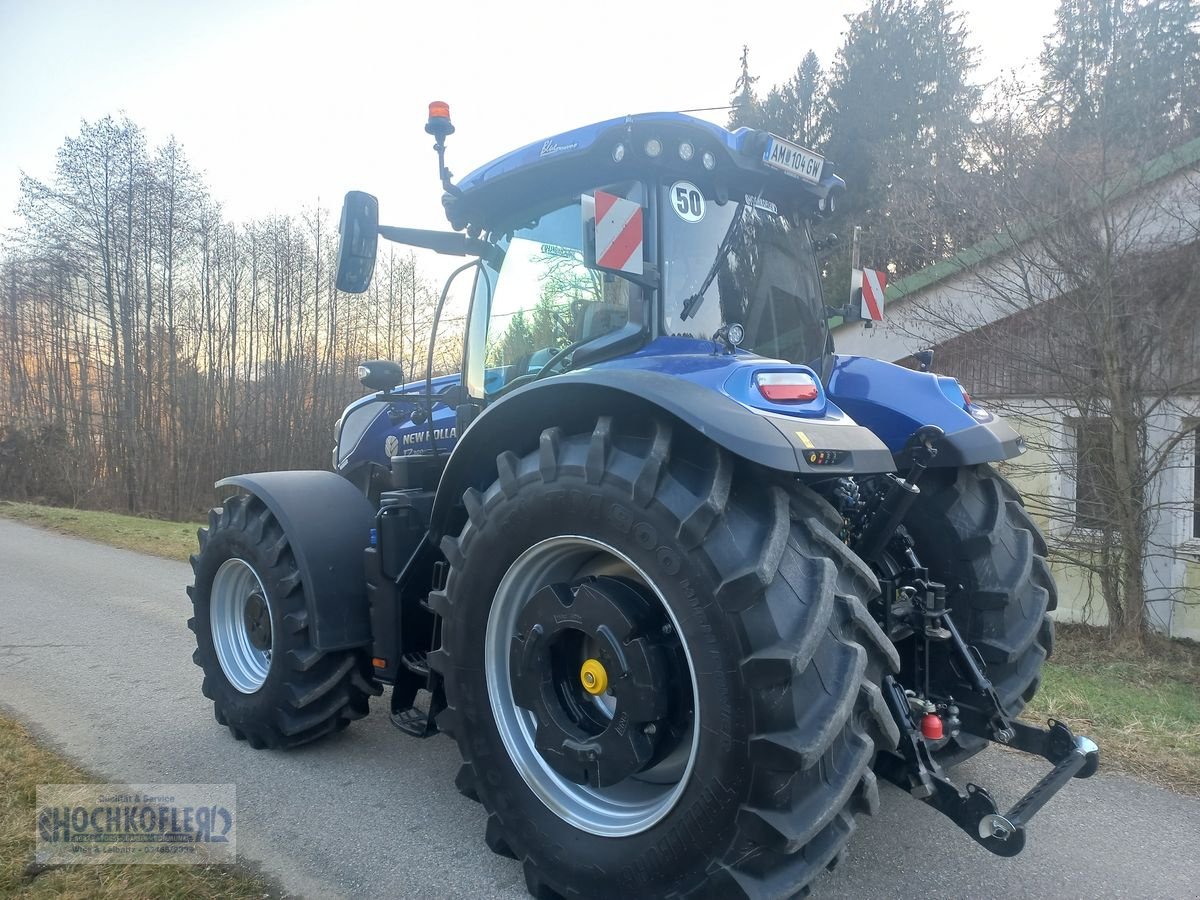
<point x="635" y="803"/>
<point x="243" y="631"/>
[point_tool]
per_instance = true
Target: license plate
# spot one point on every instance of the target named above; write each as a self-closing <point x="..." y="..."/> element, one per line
<point x="793" y="159"/>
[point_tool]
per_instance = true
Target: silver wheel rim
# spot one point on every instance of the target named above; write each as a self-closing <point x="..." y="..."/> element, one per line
<point x="245" y="665"/>
<point x="638" y="802"/>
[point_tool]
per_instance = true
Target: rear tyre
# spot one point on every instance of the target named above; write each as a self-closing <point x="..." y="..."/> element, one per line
<point x="764" y="663"/>
<point x="970" y="528"/>
<point x="268" y="684"/>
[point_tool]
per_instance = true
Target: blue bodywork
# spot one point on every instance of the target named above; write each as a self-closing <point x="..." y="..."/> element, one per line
<point x="890" y="400"/>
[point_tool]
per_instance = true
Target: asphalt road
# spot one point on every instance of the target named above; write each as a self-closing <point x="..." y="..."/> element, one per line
<point x="96" y="659"/>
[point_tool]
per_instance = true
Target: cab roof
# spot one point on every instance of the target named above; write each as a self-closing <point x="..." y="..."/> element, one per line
<point x="587" y="156"/>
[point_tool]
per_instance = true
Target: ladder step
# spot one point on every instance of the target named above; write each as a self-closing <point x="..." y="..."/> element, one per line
<point x="414" y="722"/>
<point x="416" y="662"/>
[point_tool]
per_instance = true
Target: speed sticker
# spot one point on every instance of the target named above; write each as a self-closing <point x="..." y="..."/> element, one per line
<point x="687" y="201"/>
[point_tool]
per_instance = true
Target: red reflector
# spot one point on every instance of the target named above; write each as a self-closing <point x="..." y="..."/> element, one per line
<point x="931" y="726"/>
<point x="787" y="387"/>
<point x="788" y="393"/>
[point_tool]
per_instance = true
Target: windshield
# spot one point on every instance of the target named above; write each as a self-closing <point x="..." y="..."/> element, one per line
<point x="760" y="270"/>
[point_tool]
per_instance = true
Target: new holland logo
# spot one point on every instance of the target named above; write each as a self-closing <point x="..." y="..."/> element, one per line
<point x="391" y="446"/>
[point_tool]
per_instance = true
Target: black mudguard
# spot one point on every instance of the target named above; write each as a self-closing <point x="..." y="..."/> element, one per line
<point x="328" y="524"/>
<point x="574" y="400"/>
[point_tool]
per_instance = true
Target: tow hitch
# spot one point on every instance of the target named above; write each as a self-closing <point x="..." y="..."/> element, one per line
<point x="974" y="810"/>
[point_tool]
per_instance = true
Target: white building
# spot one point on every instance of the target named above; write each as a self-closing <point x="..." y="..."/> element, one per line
<point x="985" y="312"/>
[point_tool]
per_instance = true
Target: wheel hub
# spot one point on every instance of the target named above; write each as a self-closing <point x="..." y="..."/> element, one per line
<point x="594" y="677"/>
<point x="257" y="621"/>
<point x="597" y="723"/>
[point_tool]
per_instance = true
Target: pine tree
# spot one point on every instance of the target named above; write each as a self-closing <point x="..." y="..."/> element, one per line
<point x="746" y="110"/>
<point x="792" y="109"/>
<point x="899" y="121"/>
<point x="1124" y="74"/>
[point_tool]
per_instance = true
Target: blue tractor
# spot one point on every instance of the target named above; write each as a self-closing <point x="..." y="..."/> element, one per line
<point x="681" y="582"/>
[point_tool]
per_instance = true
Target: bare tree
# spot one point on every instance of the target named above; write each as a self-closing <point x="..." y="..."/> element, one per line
<point x="1078" y="318"/>
<point x="148" y="345"/>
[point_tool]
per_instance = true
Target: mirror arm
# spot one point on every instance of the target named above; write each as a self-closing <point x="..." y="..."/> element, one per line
<point x="449" y="243"/>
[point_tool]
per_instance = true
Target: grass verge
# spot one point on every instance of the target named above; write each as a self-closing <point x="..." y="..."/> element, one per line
<point x="1141" y="706"/>
<point x="172" y="540"/>
<point x="23" y="766"/>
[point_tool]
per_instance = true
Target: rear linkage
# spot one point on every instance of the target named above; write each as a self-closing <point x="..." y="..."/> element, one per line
<point x="916" y="606"/>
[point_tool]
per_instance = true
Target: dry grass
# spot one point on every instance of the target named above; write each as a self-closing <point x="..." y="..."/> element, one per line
<point x="1142" y="705"/>
<point x="172" y="540"/>
<point x="23" y="766"/>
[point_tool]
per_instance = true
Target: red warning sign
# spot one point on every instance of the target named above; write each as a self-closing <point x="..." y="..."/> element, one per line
<point x="874" y="283"/>
<point x="618" y="233"/>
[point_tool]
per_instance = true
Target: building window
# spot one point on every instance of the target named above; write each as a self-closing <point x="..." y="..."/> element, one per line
<point x="1093" y="472"/>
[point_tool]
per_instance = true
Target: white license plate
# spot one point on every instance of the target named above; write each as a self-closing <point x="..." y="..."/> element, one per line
<point x="793" y="159"/>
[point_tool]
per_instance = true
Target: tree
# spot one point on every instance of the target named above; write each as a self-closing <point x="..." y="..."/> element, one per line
<point x="898" y="117"/>
<point x="1121" y="74"/>
<point x="149" y="346"/>
<point x="1081" y="323"/>
<point x="794" y="110"/>
<point x="745" y="110"/>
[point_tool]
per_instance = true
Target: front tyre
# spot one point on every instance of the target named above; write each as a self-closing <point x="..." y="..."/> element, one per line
<point x="660" y="670"/>
<point x="268" y="684"/>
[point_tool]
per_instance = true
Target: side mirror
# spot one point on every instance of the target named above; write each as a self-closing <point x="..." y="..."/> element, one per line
<point x="380" y="374"/>
<point x="359" y="229"/>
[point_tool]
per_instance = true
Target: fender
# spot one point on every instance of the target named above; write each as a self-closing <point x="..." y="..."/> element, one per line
<point x="575" y="399"/>
<point x="328" y="525"/>
<point x="894" y="402"/>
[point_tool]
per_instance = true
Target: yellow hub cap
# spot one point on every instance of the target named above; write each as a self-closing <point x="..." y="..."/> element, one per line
<point x="593" y="677"/>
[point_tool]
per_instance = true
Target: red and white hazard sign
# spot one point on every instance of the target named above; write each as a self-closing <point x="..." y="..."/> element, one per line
<point x="618" y="233"/>
<point x="874" y="283"/>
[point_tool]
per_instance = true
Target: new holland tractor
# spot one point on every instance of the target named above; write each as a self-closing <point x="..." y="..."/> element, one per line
<point x="681" y="582"/>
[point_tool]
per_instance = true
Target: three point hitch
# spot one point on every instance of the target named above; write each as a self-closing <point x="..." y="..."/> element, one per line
<point x="916" y="605"/>
<point x="973" y="809"/>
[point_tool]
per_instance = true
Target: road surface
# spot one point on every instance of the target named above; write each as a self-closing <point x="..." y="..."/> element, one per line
<point x="95" y="658"/>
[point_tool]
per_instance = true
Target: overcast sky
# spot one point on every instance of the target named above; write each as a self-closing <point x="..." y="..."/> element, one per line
<point x="284" y="103"/>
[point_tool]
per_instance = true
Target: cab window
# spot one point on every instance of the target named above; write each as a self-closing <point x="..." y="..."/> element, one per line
<point x="544" y="298"/>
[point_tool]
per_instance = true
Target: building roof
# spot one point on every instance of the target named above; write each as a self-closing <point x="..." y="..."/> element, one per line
<point x="1156" y="169"/>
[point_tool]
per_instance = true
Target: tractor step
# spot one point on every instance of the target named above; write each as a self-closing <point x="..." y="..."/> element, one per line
<point x="414" y="722"/>
<point x="416" y="662"/>
<point x="417" y="680"/>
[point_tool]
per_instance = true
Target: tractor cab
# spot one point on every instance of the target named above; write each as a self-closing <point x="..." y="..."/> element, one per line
<point x="627" y="231"/>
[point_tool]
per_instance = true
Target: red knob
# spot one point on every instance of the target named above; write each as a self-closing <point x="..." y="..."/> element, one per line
<point x="931" y="726"/>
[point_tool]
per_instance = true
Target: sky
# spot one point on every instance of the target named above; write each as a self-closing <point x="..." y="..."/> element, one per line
<point x="290" y="104"/>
